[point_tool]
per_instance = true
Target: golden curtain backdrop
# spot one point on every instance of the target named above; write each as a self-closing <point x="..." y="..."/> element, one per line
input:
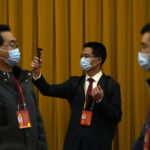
<point x="61" y="27"/>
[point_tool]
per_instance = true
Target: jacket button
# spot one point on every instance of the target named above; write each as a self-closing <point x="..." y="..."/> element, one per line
<point x="29" y="73"/>
<point x="5" y="80"/>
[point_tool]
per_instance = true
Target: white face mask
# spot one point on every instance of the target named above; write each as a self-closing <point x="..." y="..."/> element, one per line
<point x="144" y="61"/>
<point x="13" y="58"/>
<point x="85" y="63"/>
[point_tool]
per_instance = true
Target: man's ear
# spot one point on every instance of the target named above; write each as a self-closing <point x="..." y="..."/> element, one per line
<point x="99" y="60"/>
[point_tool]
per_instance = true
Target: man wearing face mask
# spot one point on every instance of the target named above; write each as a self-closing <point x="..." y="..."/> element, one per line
<point x="20" y="119"/>
<point x="144" y="61"/>
<point x="95" y="111"/>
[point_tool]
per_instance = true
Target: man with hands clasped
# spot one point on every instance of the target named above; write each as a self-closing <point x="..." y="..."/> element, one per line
<point x="94" y="99"/>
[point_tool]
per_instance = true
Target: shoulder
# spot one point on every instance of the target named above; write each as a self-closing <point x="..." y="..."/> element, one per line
<point x="77" y="78"/>
<point x="19" y="72"/>
<point x="111" y="79"/>
<point x="110" y="83"/>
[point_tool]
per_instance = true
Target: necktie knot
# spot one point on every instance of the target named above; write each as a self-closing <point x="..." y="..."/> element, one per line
<point x="90" y="80"/>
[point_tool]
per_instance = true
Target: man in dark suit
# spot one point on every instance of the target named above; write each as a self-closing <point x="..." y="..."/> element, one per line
<point x="144" y="62"/>
<point x="95" y="111"/>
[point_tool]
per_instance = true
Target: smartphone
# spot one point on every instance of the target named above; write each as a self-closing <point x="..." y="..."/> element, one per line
<point x="39" y="53"/>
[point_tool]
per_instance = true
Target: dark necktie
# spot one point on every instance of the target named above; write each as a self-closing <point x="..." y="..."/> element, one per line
<point x="89" y="89"/>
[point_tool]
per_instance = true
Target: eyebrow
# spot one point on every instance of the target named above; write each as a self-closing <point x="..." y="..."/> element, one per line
<point x="142" y="43"/>
<point x="13" y="41"/>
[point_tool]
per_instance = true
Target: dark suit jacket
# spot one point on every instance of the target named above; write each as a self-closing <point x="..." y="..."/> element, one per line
<point x="106" y="114"/>
<point x="34" y="138"/>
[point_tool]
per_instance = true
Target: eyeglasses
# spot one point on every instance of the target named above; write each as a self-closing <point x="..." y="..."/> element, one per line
<point x="86" y="55"/>
<point x="11" y="46"/>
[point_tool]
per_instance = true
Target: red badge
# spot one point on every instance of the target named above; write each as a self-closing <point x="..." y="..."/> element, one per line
<point x="86" y="118"/>
<point x="23" y="119"/>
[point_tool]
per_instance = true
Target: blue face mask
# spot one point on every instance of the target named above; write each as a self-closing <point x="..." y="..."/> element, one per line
<point x="13" y="58"/>
<point x="85" y="63"/>
<point x="144" y="61"/>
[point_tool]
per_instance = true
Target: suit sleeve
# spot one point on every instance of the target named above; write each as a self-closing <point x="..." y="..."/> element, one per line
<point x="138" y="145"/>
<point x="63" y="90"/>
<point x="111" y="106"/>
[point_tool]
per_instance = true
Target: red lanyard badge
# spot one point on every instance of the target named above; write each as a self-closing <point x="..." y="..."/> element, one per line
<point x="22" y="115"/>
<point x="21" y="92"/>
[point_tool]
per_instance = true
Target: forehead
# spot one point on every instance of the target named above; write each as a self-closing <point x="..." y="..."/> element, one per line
<point x="8" y="36"/>
<point x="87" y="50"/>
<point x="146" y="38"/>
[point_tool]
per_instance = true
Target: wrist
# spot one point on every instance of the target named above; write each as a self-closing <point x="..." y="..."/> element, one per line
<point x="36" y="76"/>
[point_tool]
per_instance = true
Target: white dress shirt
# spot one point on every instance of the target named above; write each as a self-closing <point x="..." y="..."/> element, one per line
<point x="96" y="78"/>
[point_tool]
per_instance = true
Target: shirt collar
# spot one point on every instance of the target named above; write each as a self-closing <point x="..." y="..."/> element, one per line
<point x="95" y="77"/>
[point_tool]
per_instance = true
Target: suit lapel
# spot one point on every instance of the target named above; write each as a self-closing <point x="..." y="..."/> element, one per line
<point x="83" y="87"/>
<point x="80" y="93"/>
<point x="101" y="82"/>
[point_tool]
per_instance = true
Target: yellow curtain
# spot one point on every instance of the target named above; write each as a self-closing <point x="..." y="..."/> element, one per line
<point x="61" y="27"/>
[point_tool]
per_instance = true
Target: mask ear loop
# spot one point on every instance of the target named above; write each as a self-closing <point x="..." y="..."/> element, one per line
<point x="145" y="54"/>
<point x="93" y="59"/>
<point x="2" y="58"/>
<point x="3" y="51"/>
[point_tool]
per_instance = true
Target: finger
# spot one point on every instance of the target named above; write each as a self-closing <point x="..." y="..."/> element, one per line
<point x="40" y="61"/>
<point x="93" y="92"/>
<point x="35" y="57"/>
<point x="96" y="91"/>
<point x="99" y="87"/>
<point x="35" y="64"/>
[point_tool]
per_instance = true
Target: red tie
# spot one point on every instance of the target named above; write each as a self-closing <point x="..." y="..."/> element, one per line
<point x="89" y="89"/>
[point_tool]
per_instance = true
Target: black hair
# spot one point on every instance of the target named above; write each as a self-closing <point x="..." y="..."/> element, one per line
<point x="99" y="50"/>
<point x="146" y="28"/>
<point x="3" y="28"/>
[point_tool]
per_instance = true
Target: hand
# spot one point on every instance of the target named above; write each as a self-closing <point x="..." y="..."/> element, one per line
<point x="36" y="65"/>
<point x="97" y="93"/>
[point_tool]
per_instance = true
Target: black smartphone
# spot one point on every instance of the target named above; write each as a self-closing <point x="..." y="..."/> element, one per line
<point x="39" y="53"/>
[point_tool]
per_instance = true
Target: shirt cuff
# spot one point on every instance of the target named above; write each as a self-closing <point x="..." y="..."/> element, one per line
<point x="36" y="78"/>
